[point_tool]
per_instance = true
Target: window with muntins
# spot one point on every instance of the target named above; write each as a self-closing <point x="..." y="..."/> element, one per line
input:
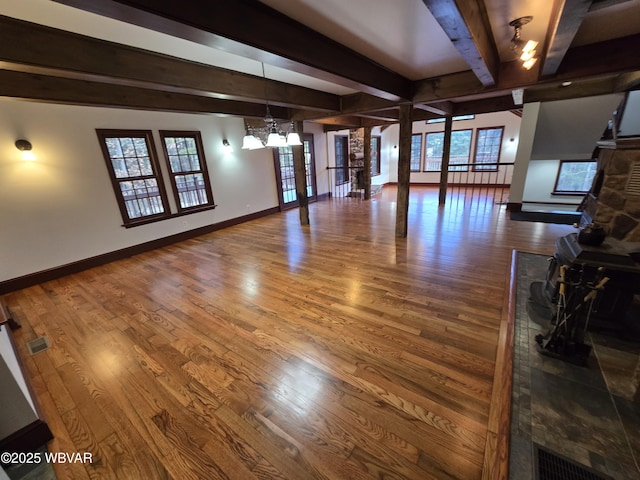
<point x="133" y="167"/>
<point x="375" y="156"/>
<point x="458" y="155"/>
<point x="416" y="151"/>
<point x="188" y="169"/>
<point x="488" y="143"/>
<point x="342" y="159"/>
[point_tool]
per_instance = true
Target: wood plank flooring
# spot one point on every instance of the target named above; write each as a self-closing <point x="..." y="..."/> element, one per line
<point x="274" y="351"/>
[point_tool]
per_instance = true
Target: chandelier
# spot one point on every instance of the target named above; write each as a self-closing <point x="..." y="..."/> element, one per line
<point x="272" y="135"/>
<point x="526" y="50"/>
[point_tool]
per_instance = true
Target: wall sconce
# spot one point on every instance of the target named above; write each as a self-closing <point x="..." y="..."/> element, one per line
<point x="25" y="147"/>
<point x="226" y="146"/>
<point x="526" y="50"/>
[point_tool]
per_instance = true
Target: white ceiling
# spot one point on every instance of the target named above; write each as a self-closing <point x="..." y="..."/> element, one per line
<point x="401" y="35"/>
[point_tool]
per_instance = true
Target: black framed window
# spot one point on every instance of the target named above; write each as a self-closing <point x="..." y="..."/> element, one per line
<point x="575" y="177"/>
<point x="416" y="151"/>
<point x="132" y="163"/>
<point x="188" y="169"/>
<point x="488" y="144"/>
<point x="342" y="159"/>
<point x="375" y="155"/>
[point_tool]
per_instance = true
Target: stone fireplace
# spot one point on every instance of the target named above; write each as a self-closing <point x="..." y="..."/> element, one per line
<point x="356" y="164"/>
<point x="356" y="158"/>
<point x="614" y="201"/>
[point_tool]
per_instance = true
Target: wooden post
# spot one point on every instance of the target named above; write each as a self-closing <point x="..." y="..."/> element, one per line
<point x="404" y="170"/>
<point x="446" y="152"/>
<point x="301" y="178"/>
<point x="367" y="163"/>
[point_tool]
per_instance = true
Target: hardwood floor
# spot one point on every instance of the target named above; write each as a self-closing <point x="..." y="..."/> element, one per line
<point x="274" y="351"/>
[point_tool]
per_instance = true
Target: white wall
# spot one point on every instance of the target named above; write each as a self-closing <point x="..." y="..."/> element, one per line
<point x="320" y="152"/>
<point x="61" y="207"/>
<point x="565" y="130"/>
<point x="508" y="120"/>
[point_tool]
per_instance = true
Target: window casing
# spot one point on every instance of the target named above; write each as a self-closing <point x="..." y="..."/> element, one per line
<point x="575" y="177"/>
<point x="132" y="163"/>
<point x="342" y="159"/>
<point x="416" y="151"/>
<point x="187" y="168"/>
<point x="375" y="155"/>
<point x="488" y="144"/>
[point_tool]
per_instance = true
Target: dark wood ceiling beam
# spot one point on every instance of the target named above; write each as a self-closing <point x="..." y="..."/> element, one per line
<point x="439" y="108"/>
<point x="611" y="56"/>
<point x="81" y="92"/>
<point x="590" y="88"/>
<point x="362" y="102"/>
<point x="484" y="105"/>
<point x="466" y="23"/>
<point x="54" y="52"/>
<point x="566" y="18"/>
<point x="584" y="62"/>
<point x="254" y="30"/>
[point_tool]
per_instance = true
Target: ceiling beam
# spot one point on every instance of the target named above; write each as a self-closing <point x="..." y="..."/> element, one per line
<point x="439" y="108"/>
<point x="252" y="29"/>
<point x="484" y="105"/>
<point x="589" y="88"/>
<point x="54" y="52"/>
<point x="610" y="57"/>
<point x="466" y="24"/>
<point x="31" y="86"/>
<point x="566" y="18"/>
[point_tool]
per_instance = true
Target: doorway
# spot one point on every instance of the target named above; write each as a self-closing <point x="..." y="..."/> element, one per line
<point x="285" y="173"/>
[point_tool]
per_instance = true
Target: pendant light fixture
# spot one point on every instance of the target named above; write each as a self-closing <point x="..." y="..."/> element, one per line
<point x="270" y="135"/>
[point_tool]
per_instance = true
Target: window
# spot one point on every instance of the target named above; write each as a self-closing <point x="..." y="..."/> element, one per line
<point x="459" y="154"/>
<point x="188" y="169"/>
<point x="488" y="143"/>
<point x="575" y="176"/>
<point x="342" y="159"/>
<point x="433" y="152"/>
<point x="375" y="156"/>
<point x="133" y="167"/>
<point x="454" y="119"/>
<point x="416" y="151"/>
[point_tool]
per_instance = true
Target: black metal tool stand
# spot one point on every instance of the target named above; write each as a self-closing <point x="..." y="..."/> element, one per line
<point x="574" y="302"/>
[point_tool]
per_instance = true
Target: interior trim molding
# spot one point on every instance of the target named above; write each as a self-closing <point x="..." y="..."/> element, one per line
<point x="496" y="450"/>
<point x="31" y="279"/>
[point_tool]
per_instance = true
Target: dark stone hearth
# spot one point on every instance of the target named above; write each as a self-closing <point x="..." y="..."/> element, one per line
<point x="590" y="415"/>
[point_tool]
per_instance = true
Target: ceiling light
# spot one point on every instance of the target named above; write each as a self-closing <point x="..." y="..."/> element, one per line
<point x="226" y="146"/>
<point x="271" y="134"/>
<point x="525" y="50"/>
<point x="25" y="147"/>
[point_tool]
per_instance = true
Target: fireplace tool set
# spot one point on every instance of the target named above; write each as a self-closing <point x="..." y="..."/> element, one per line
<point x="574" y="302"/>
